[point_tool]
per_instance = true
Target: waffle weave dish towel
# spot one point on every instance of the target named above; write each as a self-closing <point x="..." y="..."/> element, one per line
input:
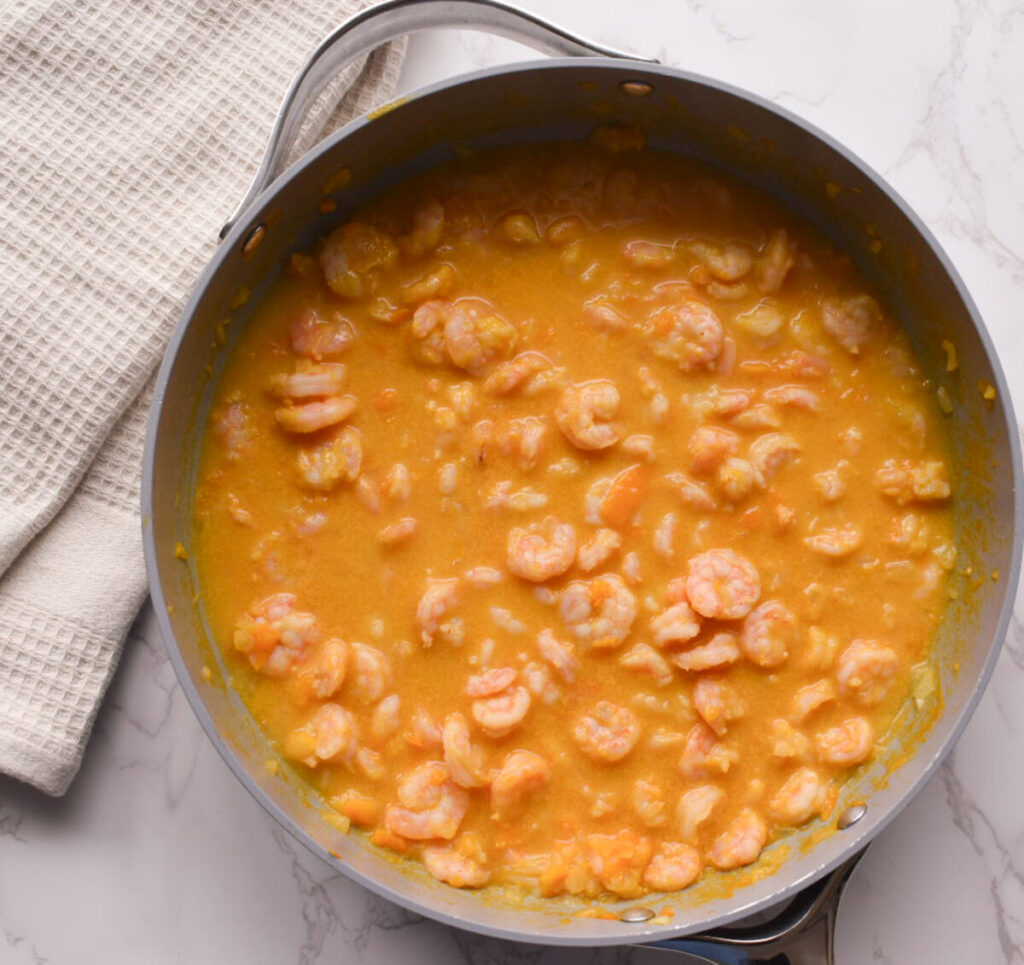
<point x="130" y="130"/>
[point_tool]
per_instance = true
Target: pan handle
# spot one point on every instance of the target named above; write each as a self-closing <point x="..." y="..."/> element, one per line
<point x="386" y="21"/>
<point x="803" y="933"/>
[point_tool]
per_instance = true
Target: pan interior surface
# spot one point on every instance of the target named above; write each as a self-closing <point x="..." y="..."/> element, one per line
<point x="750" y="140"/>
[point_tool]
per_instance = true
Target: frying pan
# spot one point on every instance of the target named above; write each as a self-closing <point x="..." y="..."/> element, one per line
<point x="566" y="98"/>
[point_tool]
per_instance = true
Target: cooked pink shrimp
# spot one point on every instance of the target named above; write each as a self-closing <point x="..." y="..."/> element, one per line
<point x="432" y="804"/>
<point x="585" y="411"/>
<point x="704" y="755"/>
<point x="438" y="598"/>
<point x="851" y="321"/>
<point x="399" y="531"/>
<point x="808" y="699"/>
<point x="695" y="807"/>
<point x="674" y="625"/>
<point x="310" y="382"/>
<point x="426" y="231"/>
<point x="608" y="733"/>
<point x="774" y="262"/>
<point x="232" y="425"/>
<point x="709" y="446"/>
<point x="648" y="800"/>
<point x="499" y="714"/>
<point x="316" y="338"/>
<point x="643" y="658"/>
<point x="795" y="396"/>
<point x="691" y="492"/>
<point x="722" y="585"/>
<point x="326" y="671"/>
<point x="447" y="864"/>
<point x="909" y="481"/>
<point x="729" y="262"/>
<point x="865" y="669"/>
<point x="673" y="867"/>
<point x="720" y="651"/>
<point x="370" y="673"/>
<point x="598" y="549"/>
<point x="848" y="744"/>
<point x="490" y="682"/>
<point x="835" y="541"/>
<point x="770" y="452"/>
<point x="513" y="374"/>
<point x="802" y="796"/>
<point x="599" y="611"/>
<point x="424" y="732"/>
<point x="314" y="416"/>
<point x="522" y="773"/>
<point x="688" y="333"/>
<point x="740" y="843"/>
<point x="323" y="467"/>
<point x="465" y="761"/>
<point x="769" y="632"/>
<point x="559" y="654"/>
<point x="788" y="742"/>
<point x="385" y="720"/>
<point x="542" y="550"/>
<point x="274" y="635"/>
<point x="718" y="703"/>
<point x="648" y="254"/>
<point x="475" y="335"/>
<point x="329" y="735"/>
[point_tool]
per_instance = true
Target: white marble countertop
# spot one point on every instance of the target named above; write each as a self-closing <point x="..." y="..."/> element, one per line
<point x="157" y="854"/>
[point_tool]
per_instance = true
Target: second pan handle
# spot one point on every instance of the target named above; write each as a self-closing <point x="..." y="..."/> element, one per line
<point x="386" y="21"/>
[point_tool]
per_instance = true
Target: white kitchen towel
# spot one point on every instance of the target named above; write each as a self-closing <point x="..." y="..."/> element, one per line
<point x="129" y="130"/>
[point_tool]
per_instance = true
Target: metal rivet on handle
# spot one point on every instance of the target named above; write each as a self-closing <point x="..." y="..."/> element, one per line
<point x="636" y="88"/>
<point x="636" y="915"/>
<point x="851" y="816"/>
<point x="253" y="241"/>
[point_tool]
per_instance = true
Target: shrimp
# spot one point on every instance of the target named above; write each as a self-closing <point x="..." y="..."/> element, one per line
<point x="515" y="373"/>
<point x="325" y="673"/>
<point x="864" y="670"/>
<point x="232" y="425"/>
<point x="768" y="634"/>
<point x="608" y="733"/>
<point x="675" y="624"/>
<point x="598" y="549"/>
<point x="689" y="334"/>
<point x="371" y="673"/>
<point x="491" y="682"/>
<point x="448" y="864"/>
<point x="695" y="807"/>
<point x="465" y="762"/>
<point x="648" y="254"/>
<point x="722" y="585"/>
<point x="559" y="654"/>
<point x="665" y="536"/>
<point x="691" y="492"/>
<point x="644" y="658"/>
<point x="432" y="804"/>
<point x="423" y="731"/>
<point x="673" y="867"/>
<point x="709" y="447"/>
<point x="703" y="754"/>
<point x="585" y="411"/>
<point x="399" y="531"/>
<point x="427" y="227"/>
<point x="835" y="541"/>
<point x="438" y="598"/>
<point x="341" y="459"/>
<point x="311" y="382"/>
<point x="737" y="478"/>
<point x="909" y="481"/>
<point x="352" y="257"/>
<point x="499" y="714"/>
<point x="385" y="720"/>
<point x="848" y="744"/>
<point x="775" y="262"/>
<point x="541" y="551"/>
<point x="314" y="416"/>
<point x="796" y="396"/>
<point x="851" y="321"/>
<point x="717" y="703"/>
<point x="740" y="843"/>
<point x="720" y="651"/>
<point x="329" y="735"/>
<point x="427" y="328"/>
<point x="274" y="635"/>
<point x="475" y="335"/>
<point x="802" y="796"/>
<point x="726" y="263"/>
<point x="315" y="338"/>
<point x="648" y="801"/>
<point x="787" y="741"/>
<point x="523" y="773"/>
<point x="431" y="285"/>
<point x="808" y="699"/>
<point x="599" y="611"/>
<point x="770" y="452"/>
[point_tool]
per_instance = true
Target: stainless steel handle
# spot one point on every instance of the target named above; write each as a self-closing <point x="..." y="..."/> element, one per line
<point x="386" y="21"/>
<point x="803" y="933"/>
